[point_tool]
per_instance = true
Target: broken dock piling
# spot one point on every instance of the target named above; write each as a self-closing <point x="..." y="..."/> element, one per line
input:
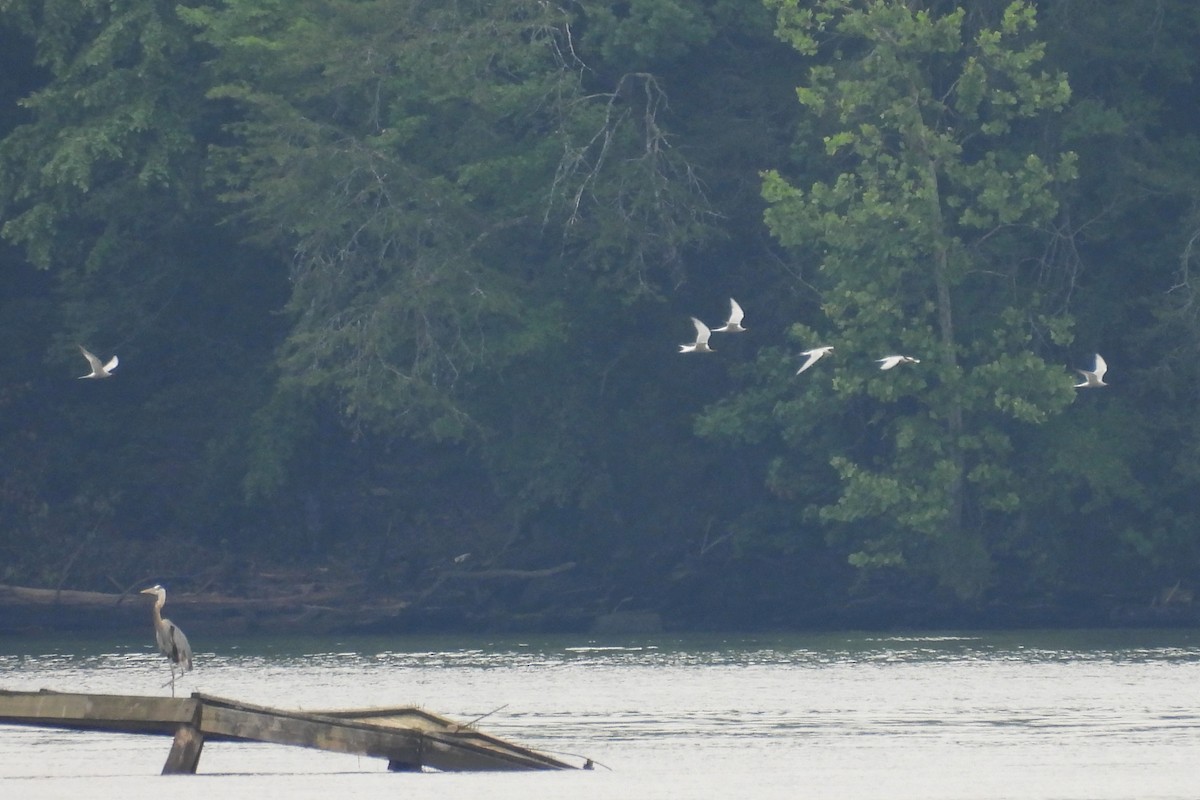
<point x="411" y="739"/>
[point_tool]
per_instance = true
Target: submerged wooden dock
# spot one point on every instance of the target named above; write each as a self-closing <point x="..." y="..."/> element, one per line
<point x="410" y="738"/>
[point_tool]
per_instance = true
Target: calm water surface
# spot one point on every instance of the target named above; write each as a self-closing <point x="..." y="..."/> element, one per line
<point x="965" y="715"/>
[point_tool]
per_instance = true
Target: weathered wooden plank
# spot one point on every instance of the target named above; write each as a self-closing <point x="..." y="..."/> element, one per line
<point x="118" y="713"/>
<point x="397" y="717"/>
<point x="457" y="734"/>
<point x="454" y="754"/>
<point x="467" y="750"/>
<point x="520" y="757"/>
<point x="459" y="747"/>
<point x="302" y="731"/>
<point x="409" y="738"/>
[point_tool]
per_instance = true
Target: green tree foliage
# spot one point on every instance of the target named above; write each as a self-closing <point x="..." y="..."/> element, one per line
<point x="113" y="132"/>
<point x="102" y="185"/>
<point x="420" y="165"/>
<point x="395" y="281"/>
<point x="1120" y="509"/>
<point x="466" y="196"/>
<point x="929" y="214"/>
<point x="459" y="199"/>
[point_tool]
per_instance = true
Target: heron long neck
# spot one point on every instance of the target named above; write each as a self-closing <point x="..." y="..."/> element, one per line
<point x="158" y="604"/>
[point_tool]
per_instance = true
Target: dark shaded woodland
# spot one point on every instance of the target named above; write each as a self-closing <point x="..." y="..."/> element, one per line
<point x="397" y="290"/>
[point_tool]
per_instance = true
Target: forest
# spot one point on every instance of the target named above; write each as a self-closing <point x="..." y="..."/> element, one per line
<point x="398" y="291"/>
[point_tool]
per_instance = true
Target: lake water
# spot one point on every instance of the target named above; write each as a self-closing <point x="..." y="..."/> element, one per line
<point x="1090" y="715"/>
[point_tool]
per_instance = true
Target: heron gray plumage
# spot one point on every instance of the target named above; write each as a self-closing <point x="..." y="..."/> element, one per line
<point x="171" y="641"/>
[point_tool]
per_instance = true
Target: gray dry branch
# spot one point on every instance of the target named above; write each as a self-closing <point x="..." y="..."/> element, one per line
<point x="626" y="166"/>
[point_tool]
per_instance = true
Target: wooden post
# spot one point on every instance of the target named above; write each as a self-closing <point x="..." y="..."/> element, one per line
<point x="185" y="750"/>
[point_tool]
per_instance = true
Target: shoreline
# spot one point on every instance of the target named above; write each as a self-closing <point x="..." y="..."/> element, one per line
<point x="346" y="610"/>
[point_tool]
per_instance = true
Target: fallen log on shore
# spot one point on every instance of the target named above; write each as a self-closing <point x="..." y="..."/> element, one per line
<point x="292" y="603"/>
<point x="25" y="609"/>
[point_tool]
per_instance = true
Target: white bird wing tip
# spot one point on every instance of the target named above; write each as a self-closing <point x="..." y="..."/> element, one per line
<point x="91" y="358"/>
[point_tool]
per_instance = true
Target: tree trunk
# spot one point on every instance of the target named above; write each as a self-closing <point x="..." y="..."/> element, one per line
<point x="949" y="350"/>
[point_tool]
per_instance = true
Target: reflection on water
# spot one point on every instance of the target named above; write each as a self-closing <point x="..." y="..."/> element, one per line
<point x="1086" y="714"/>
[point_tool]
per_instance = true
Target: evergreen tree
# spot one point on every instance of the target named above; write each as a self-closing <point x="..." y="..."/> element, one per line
<point x="929" y="216"/>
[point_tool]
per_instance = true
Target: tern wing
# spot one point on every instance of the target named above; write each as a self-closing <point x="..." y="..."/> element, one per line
<point x="702" y="331"/>
<point x="1101" y="367"/>
<point x="92" y="360"/>
<point x="735" y="312"/>
<point x="814" y="356"/>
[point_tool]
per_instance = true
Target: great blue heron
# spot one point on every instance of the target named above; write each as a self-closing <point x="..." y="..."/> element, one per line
<point x="171" y="641"/>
